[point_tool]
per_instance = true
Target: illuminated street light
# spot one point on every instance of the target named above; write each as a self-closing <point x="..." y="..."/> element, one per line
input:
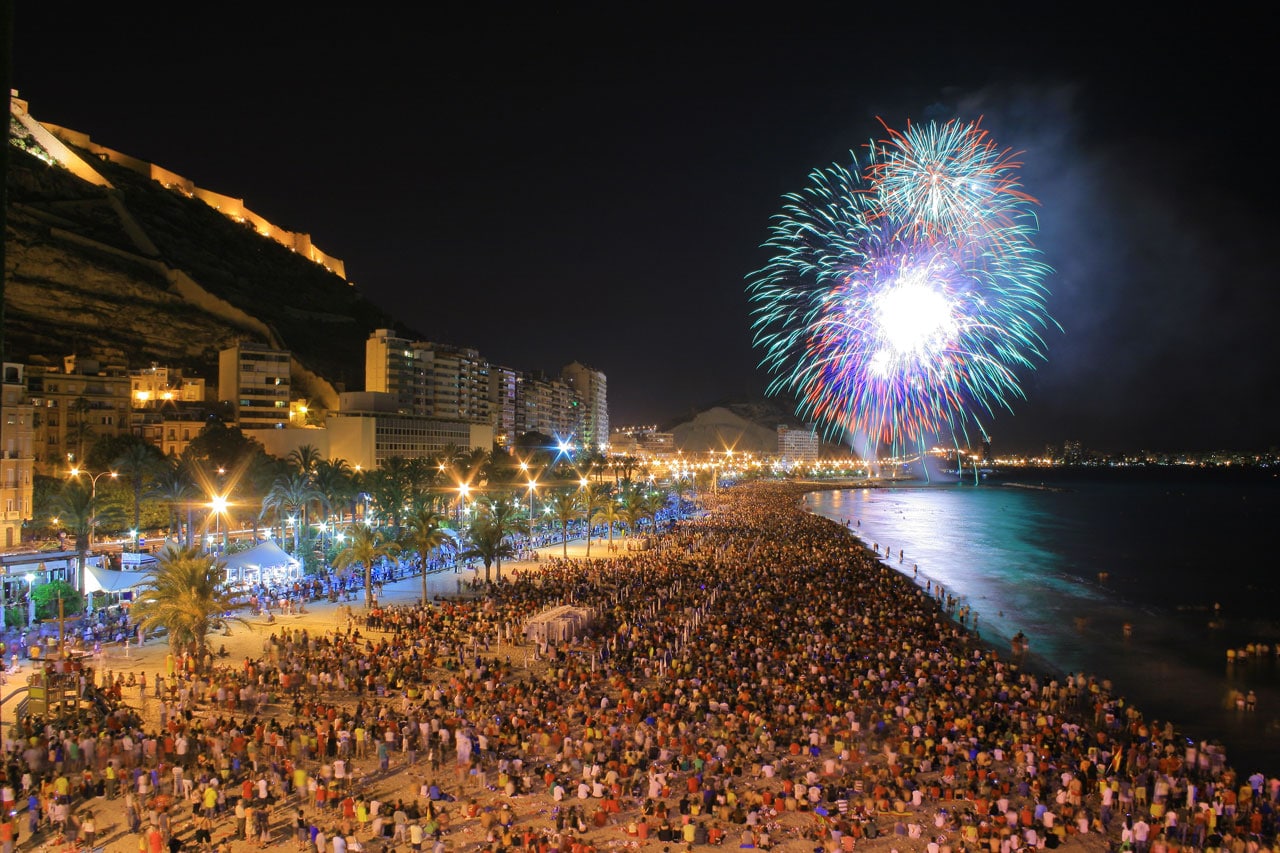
<point x="218" y="506"/>
<point x="464" y="489"/>
<point x="93" y="495"/>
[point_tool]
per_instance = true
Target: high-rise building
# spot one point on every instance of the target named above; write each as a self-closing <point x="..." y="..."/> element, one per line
<point x="503" y="386"/>
<point x="1071" y="452"/>
<point x="429" y="379"/>
<point x="798" y="445"/>
<point x="591" y="397"/>
<point x="254" y="379"/>
<point x="16" y="455"/>
<point x="544" y="405"/>
<point x="392" y="366"/>
<point x="457" y="383"/>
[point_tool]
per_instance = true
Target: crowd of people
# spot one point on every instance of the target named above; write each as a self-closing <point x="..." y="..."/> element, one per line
<point x="756" y="679"/>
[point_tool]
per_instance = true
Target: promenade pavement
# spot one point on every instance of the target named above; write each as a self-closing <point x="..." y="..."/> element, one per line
<point x="245" y="639"/>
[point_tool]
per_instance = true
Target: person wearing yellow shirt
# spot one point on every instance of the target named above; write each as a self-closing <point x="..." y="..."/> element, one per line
<point x="210" y="800"/>
<point x="300" y="780"/>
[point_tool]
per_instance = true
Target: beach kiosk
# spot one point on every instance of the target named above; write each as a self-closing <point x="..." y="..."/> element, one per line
<point x="54" y="684"/>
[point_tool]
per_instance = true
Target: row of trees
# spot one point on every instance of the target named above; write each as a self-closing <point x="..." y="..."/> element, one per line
<point x="188" y="600"/>
<point x="223" y="467"/>
<point x="473" y="502"/>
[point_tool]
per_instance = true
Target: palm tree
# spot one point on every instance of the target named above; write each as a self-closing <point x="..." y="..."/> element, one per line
<point x="75" y="508"/>
<point x="185" y="595"/>
<point x="488" y="543"/>
<point x="504" y="516"/>
<point x="421" y="475"/>
<point x="475" y="462"/>
<point x="622" y="468"/>
<point x="594" y="496"/>
<point x="335" y="479"/>
<point x="79" y="429"/>
<point x="365" y="547"/>
<point x="654" y="503"/>
<point x="138" y="464"/>
<point x="389" y="488"/>
<point x="681" y="485"/>
<point x="632" y="509"/>
<point x="174" y="487"/>
<point x="565" y="508"/>
<point x="254" y="484"/>
<point x="608" y="514"/>
<point x="426" y="533"/>
<point x="305" y="458"/>
<point x="292" y="493"/>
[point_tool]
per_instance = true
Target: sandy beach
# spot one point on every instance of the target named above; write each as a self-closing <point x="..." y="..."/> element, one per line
<point x="879" y="713"/>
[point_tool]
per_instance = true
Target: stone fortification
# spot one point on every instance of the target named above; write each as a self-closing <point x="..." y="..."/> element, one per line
<point x="55" y="141"/>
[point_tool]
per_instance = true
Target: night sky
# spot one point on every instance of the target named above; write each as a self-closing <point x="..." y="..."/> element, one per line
<point x="557" y="185"/>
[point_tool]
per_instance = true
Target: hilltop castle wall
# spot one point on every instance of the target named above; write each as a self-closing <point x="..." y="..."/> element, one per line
<point x="231" y="207"/>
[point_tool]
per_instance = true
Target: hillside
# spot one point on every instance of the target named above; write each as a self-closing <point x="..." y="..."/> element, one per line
<point x="159" y="277"/>
<point x="744" y="426"/>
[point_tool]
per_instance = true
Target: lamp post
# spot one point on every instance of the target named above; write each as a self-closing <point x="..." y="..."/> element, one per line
<point x="533" y="484"/>
<point x="464" y="489"/>
<point x="218" y="506"/>
<point x="31" y="599"/>
<point x="93" y="521"/>
<point x="93" y="495"/>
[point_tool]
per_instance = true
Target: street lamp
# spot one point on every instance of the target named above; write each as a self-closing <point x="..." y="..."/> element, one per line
<point x="93" y="495"/>
<point x="464" y="489"/>
<point x="533" y="484"/>
<point x="218" y="506"/>
<point x="31" y="599"/>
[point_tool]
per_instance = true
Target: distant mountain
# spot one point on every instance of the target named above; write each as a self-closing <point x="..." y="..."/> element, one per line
<point x="748" y="426"/>
<point x="118" y="263"/>
<point x="720" y="428"/>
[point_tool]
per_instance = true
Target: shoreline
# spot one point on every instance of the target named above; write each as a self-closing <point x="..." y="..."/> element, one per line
<point x="752" y="655"/>
<point x="1196" y="723"/>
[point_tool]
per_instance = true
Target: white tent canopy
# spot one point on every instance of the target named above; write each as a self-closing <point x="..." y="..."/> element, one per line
<point x="263" y="558"/>
<point x="558" y="625"/>
<point x="98" y="579"/>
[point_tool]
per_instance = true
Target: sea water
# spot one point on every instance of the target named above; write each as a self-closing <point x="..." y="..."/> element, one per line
<point x="1143" y="578"/>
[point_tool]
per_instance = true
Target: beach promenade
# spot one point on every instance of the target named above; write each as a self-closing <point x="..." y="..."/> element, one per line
<point x="757" y="679"/>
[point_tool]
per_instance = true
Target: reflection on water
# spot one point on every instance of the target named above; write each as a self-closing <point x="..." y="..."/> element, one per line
<point x="1102" y="578"/>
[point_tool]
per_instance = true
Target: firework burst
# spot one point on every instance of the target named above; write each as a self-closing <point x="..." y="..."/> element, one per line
<point x="905" y="293"/>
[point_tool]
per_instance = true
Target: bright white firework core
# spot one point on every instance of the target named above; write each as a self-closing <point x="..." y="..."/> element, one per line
<point x="914" y="317"/>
